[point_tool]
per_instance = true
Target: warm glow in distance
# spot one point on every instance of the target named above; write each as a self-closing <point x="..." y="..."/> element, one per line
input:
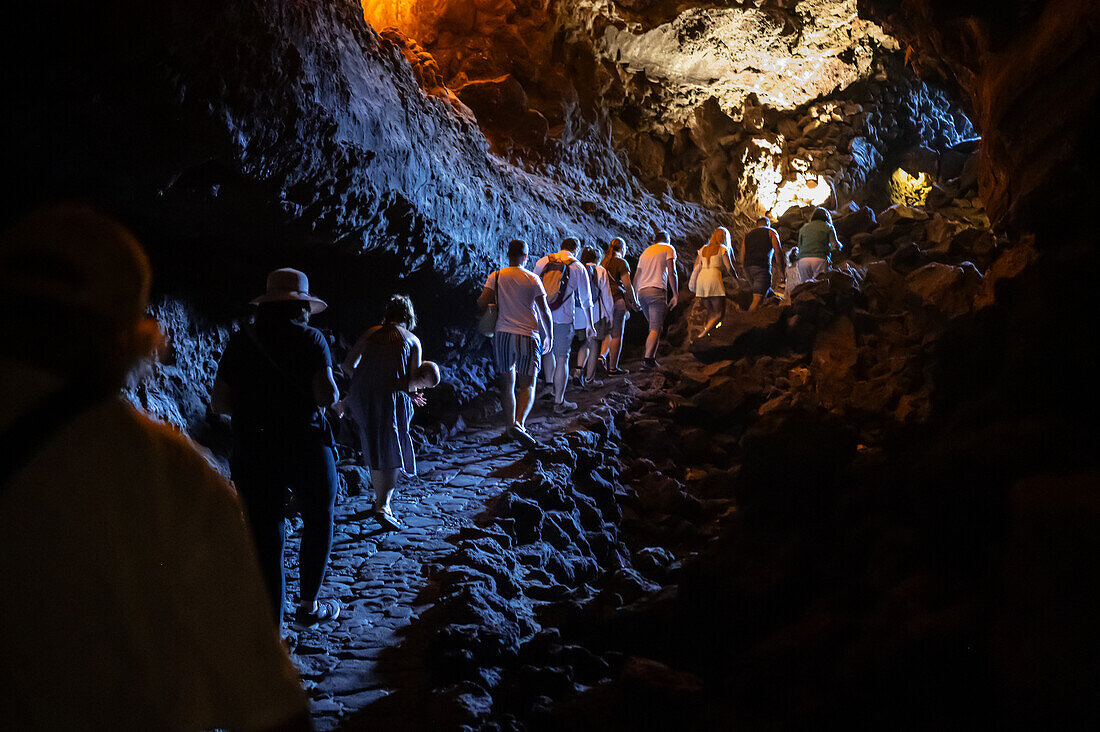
<point x="909" y="190"/>
<point x="386" y="13"/>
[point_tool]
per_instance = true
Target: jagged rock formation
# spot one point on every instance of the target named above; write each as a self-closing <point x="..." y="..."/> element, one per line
<point x="239" y="137"/>
<point x="319" y="134"/>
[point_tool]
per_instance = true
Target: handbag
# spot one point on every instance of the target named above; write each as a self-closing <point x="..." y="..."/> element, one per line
<point x="487" y="323"/>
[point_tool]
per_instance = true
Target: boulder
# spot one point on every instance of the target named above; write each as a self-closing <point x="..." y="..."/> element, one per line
<point x="947" y="289"/>
<point x="741" y="333"/>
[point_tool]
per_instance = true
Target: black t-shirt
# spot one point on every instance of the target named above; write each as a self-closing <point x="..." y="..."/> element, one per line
<point x="758" y="247"/>
<point x="269" y="396"/>
<point x="616" y="267"/>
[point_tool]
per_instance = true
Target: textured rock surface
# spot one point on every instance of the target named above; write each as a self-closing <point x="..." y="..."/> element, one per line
<point x="235" y="132"/>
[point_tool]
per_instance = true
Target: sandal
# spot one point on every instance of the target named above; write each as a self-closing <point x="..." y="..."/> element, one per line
<point x="387" y="520"/>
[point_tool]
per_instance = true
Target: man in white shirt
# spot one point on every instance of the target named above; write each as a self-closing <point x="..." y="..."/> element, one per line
<point x="523" y="334"/>
<point x="656" y="271"/>
<point x="567" y="292"/>
<point x="125" y="562"/>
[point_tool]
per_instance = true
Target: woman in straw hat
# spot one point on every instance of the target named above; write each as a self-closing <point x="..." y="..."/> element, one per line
<point x="275" y="378"/>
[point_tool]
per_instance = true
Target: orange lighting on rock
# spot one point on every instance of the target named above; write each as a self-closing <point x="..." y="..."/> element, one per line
<point x="392" y="13"/>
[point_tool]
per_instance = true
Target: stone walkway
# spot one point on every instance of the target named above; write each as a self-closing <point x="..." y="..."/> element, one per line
<point x="379" y="577"/>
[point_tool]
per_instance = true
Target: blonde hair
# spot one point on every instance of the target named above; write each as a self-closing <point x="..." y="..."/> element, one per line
<point x="720" y="237"/>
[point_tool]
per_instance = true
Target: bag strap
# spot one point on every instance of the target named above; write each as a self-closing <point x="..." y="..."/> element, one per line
<point x="30" y="432"/>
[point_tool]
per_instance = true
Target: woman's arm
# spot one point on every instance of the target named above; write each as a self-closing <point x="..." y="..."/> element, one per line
<point x="356" y="352"/>
<point x="629" y="292"/>
<point x="413" y="365"/>
<point x="728" y="261"/>
<point x="695" y="270"/>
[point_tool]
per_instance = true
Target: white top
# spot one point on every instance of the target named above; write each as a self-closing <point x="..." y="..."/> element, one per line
<point x="578" y="283"/>
<point x="651" y="270"/>
<point x="517" y="291"/>
<point x="125" y="563"/>
<point x="603" y="304"/>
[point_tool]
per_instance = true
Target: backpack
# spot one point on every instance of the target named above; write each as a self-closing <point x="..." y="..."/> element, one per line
<point x="597" y="298"/>
<point x="560" y="270"/>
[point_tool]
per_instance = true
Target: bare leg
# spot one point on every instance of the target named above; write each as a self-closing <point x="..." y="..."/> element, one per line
<point x="592" y="345"/>
<point x="561" y="375"/>
<point x="651" y="342"/>
<point x="507" y="384"/>
<point x="548" y="368"/>
<point x="712" y="316"/>
<point x="756" y="299"/>
<point x="584" y="355"/>
<point x="614" y="348"/>
<point x="384" y="481"/>
<point x="525" y="397"/>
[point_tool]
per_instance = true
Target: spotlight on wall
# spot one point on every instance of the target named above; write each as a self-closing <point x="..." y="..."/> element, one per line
<point x="908" y="189"/>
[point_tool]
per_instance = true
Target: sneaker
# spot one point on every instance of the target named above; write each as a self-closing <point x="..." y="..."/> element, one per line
<point x="649" y="364"/>
<point x="564" y="407"/>
<point x="617" y="372"/>
<point x="387" y="520"/>
<point x="326" y="610"/>
<point x="522" y="436"/>
<point x="595" y="384"/>
<point x="547" y="395"/>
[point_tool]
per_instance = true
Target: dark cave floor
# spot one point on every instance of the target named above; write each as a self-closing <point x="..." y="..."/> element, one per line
<point x="383" y="580"/>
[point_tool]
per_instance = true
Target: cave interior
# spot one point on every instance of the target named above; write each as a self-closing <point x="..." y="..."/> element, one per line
<point x="871" y="500"/>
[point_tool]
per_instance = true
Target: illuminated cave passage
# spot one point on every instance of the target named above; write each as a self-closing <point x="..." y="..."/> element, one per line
<point x="867" y="495"/>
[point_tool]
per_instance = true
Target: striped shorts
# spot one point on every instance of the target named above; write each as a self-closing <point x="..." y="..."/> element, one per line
<point x="521" y="352"/>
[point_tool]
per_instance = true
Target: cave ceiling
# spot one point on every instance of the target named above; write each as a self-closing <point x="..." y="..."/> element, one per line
<point x="785" y="53"/>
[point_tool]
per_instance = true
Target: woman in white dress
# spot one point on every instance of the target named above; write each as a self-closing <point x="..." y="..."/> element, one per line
<point x="706" y="277"/>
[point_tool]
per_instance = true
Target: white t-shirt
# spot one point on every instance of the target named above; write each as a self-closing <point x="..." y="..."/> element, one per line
<point x="578" y="283"/>
<point x="126" y="566"/>
<point x="517" y="291"/>
<point x="603" y="304"/>
<point x="651" y="266"/>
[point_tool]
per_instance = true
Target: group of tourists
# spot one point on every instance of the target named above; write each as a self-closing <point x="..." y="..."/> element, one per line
<point x="537" y="316"/>
<point x="126" y="558"/>
<point x="817" y="243"/>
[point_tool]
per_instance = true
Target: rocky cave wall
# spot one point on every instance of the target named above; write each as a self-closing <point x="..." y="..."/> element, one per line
<point x="238" y="137"/>
<point x="750" y="107"/>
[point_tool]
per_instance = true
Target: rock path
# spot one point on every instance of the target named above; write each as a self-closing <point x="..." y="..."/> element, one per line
<point x="380" y="577"/>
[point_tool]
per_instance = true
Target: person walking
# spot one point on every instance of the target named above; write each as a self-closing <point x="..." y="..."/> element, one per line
<point x="523" y="334"/>
<point x="706" y="277"/>
<point x="568" y="292"/>
<point x="275" y="381"/>
<point x="588" y="352"/>
<point x="132" y="598"/>
<point x="756" y="257"/>
<point x="817" y="241"/>
<point x="386" y="371"/>
<point x="656" y="272"/>
<point x="625" y="299"/>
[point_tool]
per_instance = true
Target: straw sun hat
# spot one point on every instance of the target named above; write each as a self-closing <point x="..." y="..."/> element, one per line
<point x="290" y="284"/>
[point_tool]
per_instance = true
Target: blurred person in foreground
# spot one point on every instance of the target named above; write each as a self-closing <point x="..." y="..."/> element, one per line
<point x="131" y="595"/>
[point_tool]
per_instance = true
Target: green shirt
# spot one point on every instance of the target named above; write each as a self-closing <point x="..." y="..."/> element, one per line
<point x="816" y="239"/>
